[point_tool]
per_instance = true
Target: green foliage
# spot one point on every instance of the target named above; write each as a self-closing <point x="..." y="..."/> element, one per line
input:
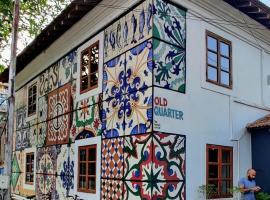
<point x="34" y="16"/>
<point x="262" y="196"/>
<point x="2" y="68"/>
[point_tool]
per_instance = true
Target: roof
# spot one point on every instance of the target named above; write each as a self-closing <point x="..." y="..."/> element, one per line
<point x="254" y="9"/>
<point x="66" y="19"/>
<point x="78" y="8"/>
<point x="260" y="123"/>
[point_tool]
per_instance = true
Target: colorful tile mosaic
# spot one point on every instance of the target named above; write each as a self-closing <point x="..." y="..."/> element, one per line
<point x="63" y="129"/>
<point x="138" y="112"/>
<point x="111" y="189"/>
<point x="52" y="132"/>
<point x="59" y="105"/>
<point x="41" y="134"/>
<point x="138" y="158"/>
<point x="16" y="162"/>
<point x="139" y="65"/>
<point x="92" y="119"/>
<point x="53" y="72"/>
<point x="114" y="78"/>
<point x="42" y="108"/>
<point x="16" y="182"/>
<point x="46" y="160"/>
<point x="65" y="167"/>
<point x="45" y="187"/>
<point x="112" y="163"/>
<point x="21" y="115"/>
<point x="130" y="30"/>
<point x="22" y="139"/>
<point x="87" y="101"/>
<point x="168" y="157"/>
<point x="33" y="135"/>
<point x="21" y="98"/>
<point x="169" y="23"/>
<point x="48" y="80"/>
<point x="63" y="187"/>
<point x="68" y="66"/>
<point x="137" y="190"/>
<point x="168" y="190"/>
<point x="169" y="66"/>
<point x="113" y="117"/>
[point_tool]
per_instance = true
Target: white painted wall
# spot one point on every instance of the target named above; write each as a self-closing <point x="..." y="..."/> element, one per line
<point x="218" y="115"/>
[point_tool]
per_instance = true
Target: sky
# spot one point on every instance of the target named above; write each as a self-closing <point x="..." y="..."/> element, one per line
<point x="267" y="2"/>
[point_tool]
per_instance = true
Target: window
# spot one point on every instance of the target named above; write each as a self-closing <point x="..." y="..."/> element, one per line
<point x="219" y="175"/>
<point x="29" y="173"/>
<point x="219" y="59"/>
<point x="89" y="68"/>
<point x="32" y="97"/>
<point x="87" y="169"/>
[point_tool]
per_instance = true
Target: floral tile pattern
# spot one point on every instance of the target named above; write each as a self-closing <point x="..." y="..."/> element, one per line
<point x="22" y="139"/>
<point x="138" y="158"/>
<point x="65" y="167"/>
<point x="137" y="190"/>
<point x="168" y="157"/>
<point x="53" y="72"/>
<point x="111" y="189"/>
<point x="169" y="23"/>
<point x="139" y="65"/>
<point x="68" y="66"/>
<point x="92" y="119"/>
<point x="113" y="117"/>
<point x="33" y="136"/>
<point x="46" y="160"/>
<point x="63" y="187"/>
<point x="87" y="101"/>
<point x="21" y="119"/>
<point x="168" y="191"/>
<point x="48" y="80"/>
<point x="41" y="134"/>
<point x="42" y="108"/>
<point x="169" y="66"/>
<point x="112" y="162"/>
<point x="138" y="112"/>
<point x="114" y="78"/>
<point x="128" y="31"/>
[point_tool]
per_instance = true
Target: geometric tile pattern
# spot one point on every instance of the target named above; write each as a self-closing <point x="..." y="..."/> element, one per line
<point x="112" y="158"/>
<point x="111" y="189"/>
<point x="138" y="158"/>
<point x="169" y="154"/>
<point x="58" y="107"/>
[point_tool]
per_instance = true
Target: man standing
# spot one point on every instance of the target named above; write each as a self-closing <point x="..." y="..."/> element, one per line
<point x="248" y="186"/>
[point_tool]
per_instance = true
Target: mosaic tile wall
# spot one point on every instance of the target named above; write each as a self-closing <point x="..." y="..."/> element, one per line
<point x="142" y="50"/>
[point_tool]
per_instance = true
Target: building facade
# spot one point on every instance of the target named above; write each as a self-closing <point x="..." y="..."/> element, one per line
<point x="141" y="100"/>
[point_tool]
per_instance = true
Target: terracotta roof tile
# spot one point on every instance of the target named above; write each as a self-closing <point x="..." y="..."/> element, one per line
<point x="260" y="123"/>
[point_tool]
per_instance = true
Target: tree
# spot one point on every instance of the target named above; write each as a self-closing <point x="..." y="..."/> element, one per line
<point x="34" y="16"/>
